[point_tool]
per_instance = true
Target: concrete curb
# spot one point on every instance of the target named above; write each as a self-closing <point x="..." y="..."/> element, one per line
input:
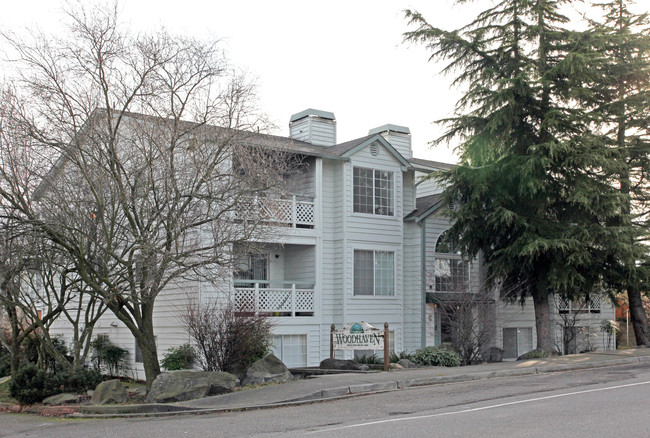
<point x="336" y="393"/>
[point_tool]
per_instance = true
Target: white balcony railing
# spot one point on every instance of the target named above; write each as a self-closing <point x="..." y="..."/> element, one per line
<point x="293" y="212"/>
<point x="275" y="301"/>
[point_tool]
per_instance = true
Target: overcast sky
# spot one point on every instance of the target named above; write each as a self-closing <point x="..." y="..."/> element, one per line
<point x="346" y="57"/>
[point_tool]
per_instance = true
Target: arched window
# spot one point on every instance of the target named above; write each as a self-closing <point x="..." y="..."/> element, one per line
<point x="451" y="271"/>
<point x="447" y="244"/>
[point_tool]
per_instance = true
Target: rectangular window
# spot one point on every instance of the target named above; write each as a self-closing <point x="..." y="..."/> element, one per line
<point x="451" y="274"/>
<point x="374" y="273"/>
<point x="291" y="350"/>
<point x="373" y="191"/>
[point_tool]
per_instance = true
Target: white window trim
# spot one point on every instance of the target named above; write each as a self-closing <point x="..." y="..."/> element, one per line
<point x="374" y="295"/>
<point x="392" y="216"/>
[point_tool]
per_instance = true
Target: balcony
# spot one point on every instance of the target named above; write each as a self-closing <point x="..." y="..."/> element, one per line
<point x="296" y="211"/>
<point x="289" y="302"/>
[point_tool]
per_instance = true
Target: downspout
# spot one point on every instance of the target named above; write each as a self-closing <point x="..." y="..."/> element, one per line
<point x="423" y="276"/>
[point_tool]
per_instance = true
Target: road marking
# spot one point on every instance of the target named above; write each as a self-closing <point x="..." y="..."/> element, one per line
<point x="464" y="411"/>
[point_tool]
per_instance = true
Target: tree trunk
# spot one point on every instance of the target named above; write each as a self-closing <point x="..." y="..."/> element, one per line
<point x="147" y="344"/>
<point x="638" y="316"/>
<point x="542" y="320"/>
<point x="15" y="357"/>
<point x="16" y="338"/>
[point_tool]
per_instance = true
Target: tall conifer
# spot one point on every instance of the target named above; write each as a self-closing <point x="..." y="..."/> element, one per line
<point x="620" y="102"/>
<point x="533" y="181"/>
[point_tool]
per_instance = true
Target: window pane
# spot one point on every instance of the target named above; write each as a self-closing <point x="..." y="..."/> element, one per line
<point x="451" y="275"/>
<point x="383" y="193"/>
<point x="362" y="188"/>
<point x="384" y="273"/>
<point x="291" y="349"/>
<point x="373" y="191"/>
<point x="363" y="273"/>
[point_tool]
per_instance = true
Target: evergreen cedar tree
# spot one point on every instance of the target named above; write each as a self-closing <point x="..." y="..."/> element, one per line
<point x="548" y="191"/>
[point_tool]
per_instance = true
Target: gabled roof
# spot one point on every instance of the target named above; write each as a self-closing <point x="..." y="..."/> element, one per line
<point x="347" y="149"/>
<point x="424" y="206"/>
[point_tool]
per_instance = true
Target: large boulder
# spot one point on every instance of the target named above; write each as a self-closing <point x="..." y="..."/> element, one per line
<point x="537" y="353"/>
<point x="61" y="399"/>
<point x="110" y="391"/>
<point x="183" y="385"/>
<point x="268" y="369"/>
<point x="341" y="364"/>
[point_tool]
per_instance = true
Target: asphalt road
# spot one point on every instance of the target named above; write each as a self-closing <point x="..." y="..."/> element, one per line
<point x="601" y="402"/>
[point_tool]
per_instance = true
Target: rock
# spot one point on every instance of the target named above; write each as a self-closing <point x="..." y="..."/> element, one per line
<point x="341" y="364"/>
<point x="395" y="366"/>
<point x="537" y="353"/>
<point x="110" y="391"/>
<point x="187" y="385"/>
<point x="268" y="369"/>
<point x="90" y="392"/>
<point x="494" y="354"/>
<point x="61" y="399"/>
<point x="405" y="363"/>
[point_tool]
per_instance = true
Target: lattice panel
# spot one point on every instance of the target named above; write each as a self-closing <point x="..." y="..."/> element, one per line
<point x="277" y="210"/>
<point x="305" y="213"/>
<point x="245" y="299"/>
<point x="275" y="300"/>
<point x="562" y="304"/>
<point x="594" y="303"/>
<point x="304" y="300"/>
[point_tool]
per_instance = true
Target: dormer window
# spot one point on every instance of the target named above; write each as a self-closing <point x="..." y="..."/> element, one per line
<point x="373" y="191"/>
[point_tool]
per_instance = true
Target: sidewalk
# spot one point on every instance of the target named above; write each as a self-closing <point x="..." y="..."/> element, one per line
<point x="332" y="386"/>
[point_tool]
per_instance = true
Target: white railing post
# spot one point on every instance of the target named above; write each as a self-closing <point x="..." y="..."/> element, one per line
<point x="293" y="299"/>
<point x="256" y="309"/>
<point x="294" y="211"/>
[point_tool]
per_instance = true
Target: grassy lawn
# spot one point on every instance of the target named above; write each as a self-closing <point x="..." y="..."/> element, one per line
<point x="4" y="393"/>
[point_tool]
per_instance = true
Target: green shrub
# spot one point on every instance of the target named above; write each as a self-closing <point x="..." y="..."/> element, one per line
<point x="108" y="355"/>
<point x="31" y="385"/>
<point x="394" y="357"/>
<point x="179" y="358"/>
<point x="436" y="356"/>
<point x="77" y="380"/>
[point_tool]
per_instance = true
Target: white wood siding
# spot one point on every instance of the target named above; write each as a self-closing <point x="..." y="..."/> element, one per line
<point x="299" y="264"/>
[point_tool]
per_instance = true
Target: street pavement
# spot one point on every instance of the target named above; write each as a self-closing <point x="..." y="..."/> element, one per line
<point x="342" y="385"/>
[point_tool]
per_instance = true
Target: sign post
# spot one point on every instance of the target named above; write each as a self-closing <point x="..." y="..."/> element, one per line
<point x="360" y="336"/>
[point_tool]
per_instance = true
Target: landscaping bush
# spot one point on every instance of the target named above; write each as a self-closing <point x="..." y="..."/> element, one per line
<point x="107" y="355"/>
<point x="436" y="356"/>
<point x="228" y="337"/>
<point x="394" y="357"/>
<point x="179" y="358"/>
<point x="77" y="380"/>
<point x="31" y="385"/>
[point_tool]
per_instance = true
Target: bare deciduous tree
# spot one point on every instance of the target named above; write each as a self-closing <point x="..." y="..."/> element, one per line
<point x="114" y="158"/>
<point x="228" y="337"/>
